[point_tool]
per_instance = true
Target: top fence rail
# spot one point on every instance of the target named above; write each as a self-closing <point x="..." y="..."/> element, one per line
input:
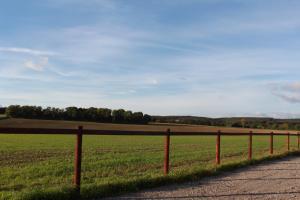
<point x="9" y="130"/>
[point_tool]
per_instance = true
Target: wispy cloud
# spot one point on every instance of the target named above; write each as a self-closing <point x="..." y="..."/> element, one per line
<point x="292" y="98"/>
<point x="35" y="59"/>
<point x="37" y="65"/>
<point x="27" y="51"/>
<point x="289" y="92"/>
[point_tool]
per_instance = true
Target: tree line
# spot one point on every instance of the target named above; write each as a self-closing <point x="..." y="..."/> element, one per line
<point x="126" y="116"/>
<point x="78" y="114"/>
<point x="242" y="122"/>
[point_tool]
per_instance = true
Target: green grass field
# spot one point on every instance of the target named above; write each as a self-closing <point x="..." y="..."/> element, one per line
<point x="32" y="165"/>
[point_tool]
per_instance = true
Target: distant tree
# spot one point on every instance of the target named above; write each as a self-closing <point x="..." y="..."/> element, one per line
<point x="2" y="110"/>
<point x="237" y="124"/>
<point x="243" y="122"/>
<point x="297" y="127"/>
<point x="118" y="115"/>
<point x="91" y="114"/>
<point x="284" y="126"/>
<point x="48" y="113"/>
<point x="58" y="113"/>
<point x="104" y="115"/>
<point x="13" y="111"/>
<point x="138" y="117"/>
<point x="128" y="117"/>
<point x="273" y="126"/>
<point x="146" y="119"/>
<point x="71" y="113"/>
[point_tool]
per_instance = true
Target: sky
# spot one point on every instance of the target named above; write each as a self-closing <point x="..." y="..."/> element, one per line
<point x="214" y="58"/>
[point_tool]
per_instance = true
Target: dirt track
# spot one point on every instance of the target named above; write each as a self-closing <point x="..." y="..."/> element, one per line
<point x="271" y="180"/>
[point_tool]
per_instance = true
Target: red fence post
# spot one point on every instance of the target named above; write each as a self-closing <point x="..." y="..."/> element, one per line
<point x="167" y="153"/>
<point x="288" y="141"/>
<point x="78" y="152"/>
<point x="250" y="146"/>
<point x="298" y="140"/>
<point x="218" y="149"/>
<point x="271" y="143"/>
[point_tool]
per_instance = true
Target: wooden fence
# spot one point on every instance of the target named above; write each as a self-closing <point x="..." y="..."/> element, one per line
<point x="167" y="135"/>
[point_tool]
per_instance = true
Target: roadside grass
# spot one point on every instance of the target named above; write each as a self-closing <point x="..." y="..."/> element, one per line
<point x="41" y="166"/>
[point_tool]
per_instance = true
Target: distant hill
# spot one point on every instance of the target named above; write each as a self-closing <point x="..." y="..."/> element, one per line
<point x="246" y="122"/>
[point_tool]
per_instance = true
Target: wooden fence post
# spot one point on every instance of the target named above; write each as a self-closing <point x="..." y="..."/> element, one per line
<point x="167" y="153"/>
<point x="288" y="141"/>
<point x="271" y="143"/>
<point x="298" y="140"/>
<point x="78" y="153"/>
<point x="218" y="147"/>
<point x="250" y="146"/>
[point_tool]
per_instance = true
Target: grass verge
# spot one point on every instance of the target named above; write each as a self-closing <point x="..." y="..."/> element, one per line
<point x="115" y="189"/>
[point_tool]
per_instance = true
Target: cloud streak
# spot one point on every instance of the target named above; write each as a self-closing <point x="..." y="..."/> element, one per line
<point x="289" y="92"/>
<point x="27" y="51"/>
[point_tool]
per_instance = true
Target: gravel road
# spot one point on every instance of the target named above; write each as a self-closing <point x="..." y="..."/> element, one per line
<point x="278" y="179"/>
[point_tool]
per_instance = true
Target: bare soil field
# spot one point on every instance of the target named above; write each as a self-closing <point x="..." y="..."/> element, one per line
<point x="32" y="123"/>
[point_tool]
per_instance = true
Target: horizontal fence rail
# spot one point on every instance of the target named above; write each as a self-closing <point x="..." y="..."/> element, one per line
<point x="127" y="132"/>
<point x="80" y="132"/>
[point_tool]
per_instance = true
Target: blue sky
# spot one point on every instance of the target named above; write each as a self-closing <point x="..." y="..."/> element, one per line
<point x="169" y="57"/>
